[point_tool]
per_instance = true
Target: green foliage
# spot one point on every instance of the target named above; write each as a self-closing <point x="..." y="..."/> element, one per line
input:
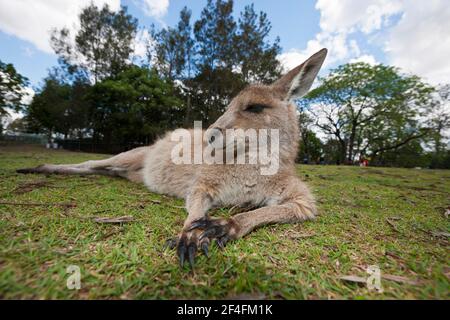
<point x="135" y="106"/>
<point x="48" y="111"/>
<point x="175" y="48"/>
<point x="311" y="147"/>
<point x="12" y="86"/>
<point x="214" y="34"/>
<point x="439" y="122"/>
<point x="19" y="125"/>
<point x="257" y="58"/>
<point x="440" y="160"/>
<point x="410" y="155"/>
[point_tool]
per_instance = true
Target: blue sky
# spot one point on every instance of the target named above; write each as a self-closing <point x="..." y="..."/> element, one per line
<point x="412" y="35"/>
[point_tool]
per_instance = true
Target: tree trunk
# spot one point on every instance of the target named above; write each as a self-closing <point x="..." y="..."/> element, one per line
<point x="351" y="143"/>
<point x="188" y="109"/>
<point x="343" y="151"/>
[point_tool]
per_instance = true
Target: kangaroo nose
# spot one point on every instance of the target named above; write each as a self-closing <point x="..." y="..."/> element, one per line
<point x="214" y="135"/>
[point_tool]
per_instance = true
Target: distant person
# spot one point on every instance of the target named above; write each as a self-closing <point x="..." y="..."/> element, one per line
<point x="363" y="162"/>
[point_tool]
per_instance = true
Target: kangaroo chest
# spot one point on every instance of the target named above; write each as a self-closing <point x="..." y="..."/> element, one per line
<point x="238" y="188"/>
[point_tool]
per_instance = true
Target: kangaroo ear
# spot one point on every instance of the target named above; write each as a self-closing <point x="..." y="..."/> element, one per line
<point x="297" y="82"/>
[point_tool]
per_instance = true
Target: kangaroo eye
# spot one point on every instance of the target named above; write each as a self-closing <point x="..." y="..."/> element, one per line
<point x="255" y="108"/>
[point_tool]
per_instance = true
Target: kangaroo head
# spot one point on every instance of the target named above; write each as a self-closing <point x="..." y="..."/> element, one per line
<point x="271" y="107"/>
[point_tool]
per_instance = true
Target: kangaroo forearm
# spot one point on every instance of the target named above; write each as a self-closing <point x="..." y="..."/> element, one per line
<point x="285" y="213"/>
<point x="197" y="204"/>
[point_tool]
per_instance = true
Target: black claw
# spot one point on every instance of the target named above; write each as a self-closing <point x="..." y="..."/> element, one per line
<point x="171" y="244"/>
<point x="207" y="233"/>
<point x="197" y="224"/>
<point x="205" y="249"/>
<point x="192" y="249"/>
<point x="220" y="243"/>
<point x="225" y="239"/>
<point x="181" y="252"/>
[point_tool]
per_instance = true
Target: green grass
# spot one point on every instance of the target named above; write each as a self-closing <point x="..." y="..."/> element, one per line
<point x="393" y="218"/>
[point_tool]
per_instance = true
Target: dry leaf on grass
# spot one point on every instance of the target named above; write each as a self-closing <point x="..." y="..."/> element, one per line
<point x="390" y="277"/>
<point x="35" y="204"/>
<point x="30" y="186"/>
<point x="441" y="234"/>
<point x="123" y="219"/>
<point x="399" y="279"/>
<point x="393" y="226"/>
<point x="355" y="279"/>
<point x="248" y="296"/>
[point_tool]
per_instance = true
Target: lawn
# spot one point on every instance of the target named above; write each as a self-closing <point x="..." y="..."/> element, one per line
<point x="392" y="218"/>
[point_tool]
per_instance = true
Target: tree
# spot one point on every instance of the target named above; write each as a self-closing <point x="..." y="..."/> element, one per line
<point x="60" y="107"/>
<point x="257" y="57"/>
<point x="311" y="147"/>
<point x="215" y="32"/>
<point x="48" y="110"/>
<point x="440" y="120"/>
<point x="103" y="44"/>
<point x="215" y="82"/>
<point x="135" y="107"/>
<point x="439" y="123"/>
<point x="19" y="125"/>
<point x="409" y="155"/>
<point x="369" y="109"/>
<point x="12" y="91"/>
<point x="174" y="48"/>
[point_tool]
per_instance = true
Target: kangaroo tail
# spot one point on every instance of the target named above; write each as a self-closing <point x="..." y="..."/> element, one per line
<point x="127" y="165"/>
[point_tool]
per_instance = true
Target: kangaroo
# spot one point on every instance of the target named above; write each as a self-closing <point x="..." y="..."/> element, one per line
<point x="279" y="198"/>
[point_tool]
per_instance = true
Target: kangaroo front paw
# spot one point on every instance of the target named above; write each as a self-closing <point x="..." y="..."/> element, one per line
<point x="221" y="229"/>
<point x="187" y="245"/>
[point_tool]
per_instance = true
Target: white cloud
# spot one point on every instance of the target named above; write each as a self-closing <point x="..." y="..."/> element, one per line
<point x="27" y="51"/>
<point x="154" y="8"/>
<point x="13" y="115"/>
<point x="28" y="96"/>
<point x="338" y="49"/>
<point x="419" y="43"/>
<point x="416" y="41"/>
<point x="289" y="60"/>
<point x="346" y="16"/>
<point x="338" y="20"/>
<point x="367" y="58"/>
<point x="142" y="43"/>
<point x="32" y="20"/>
